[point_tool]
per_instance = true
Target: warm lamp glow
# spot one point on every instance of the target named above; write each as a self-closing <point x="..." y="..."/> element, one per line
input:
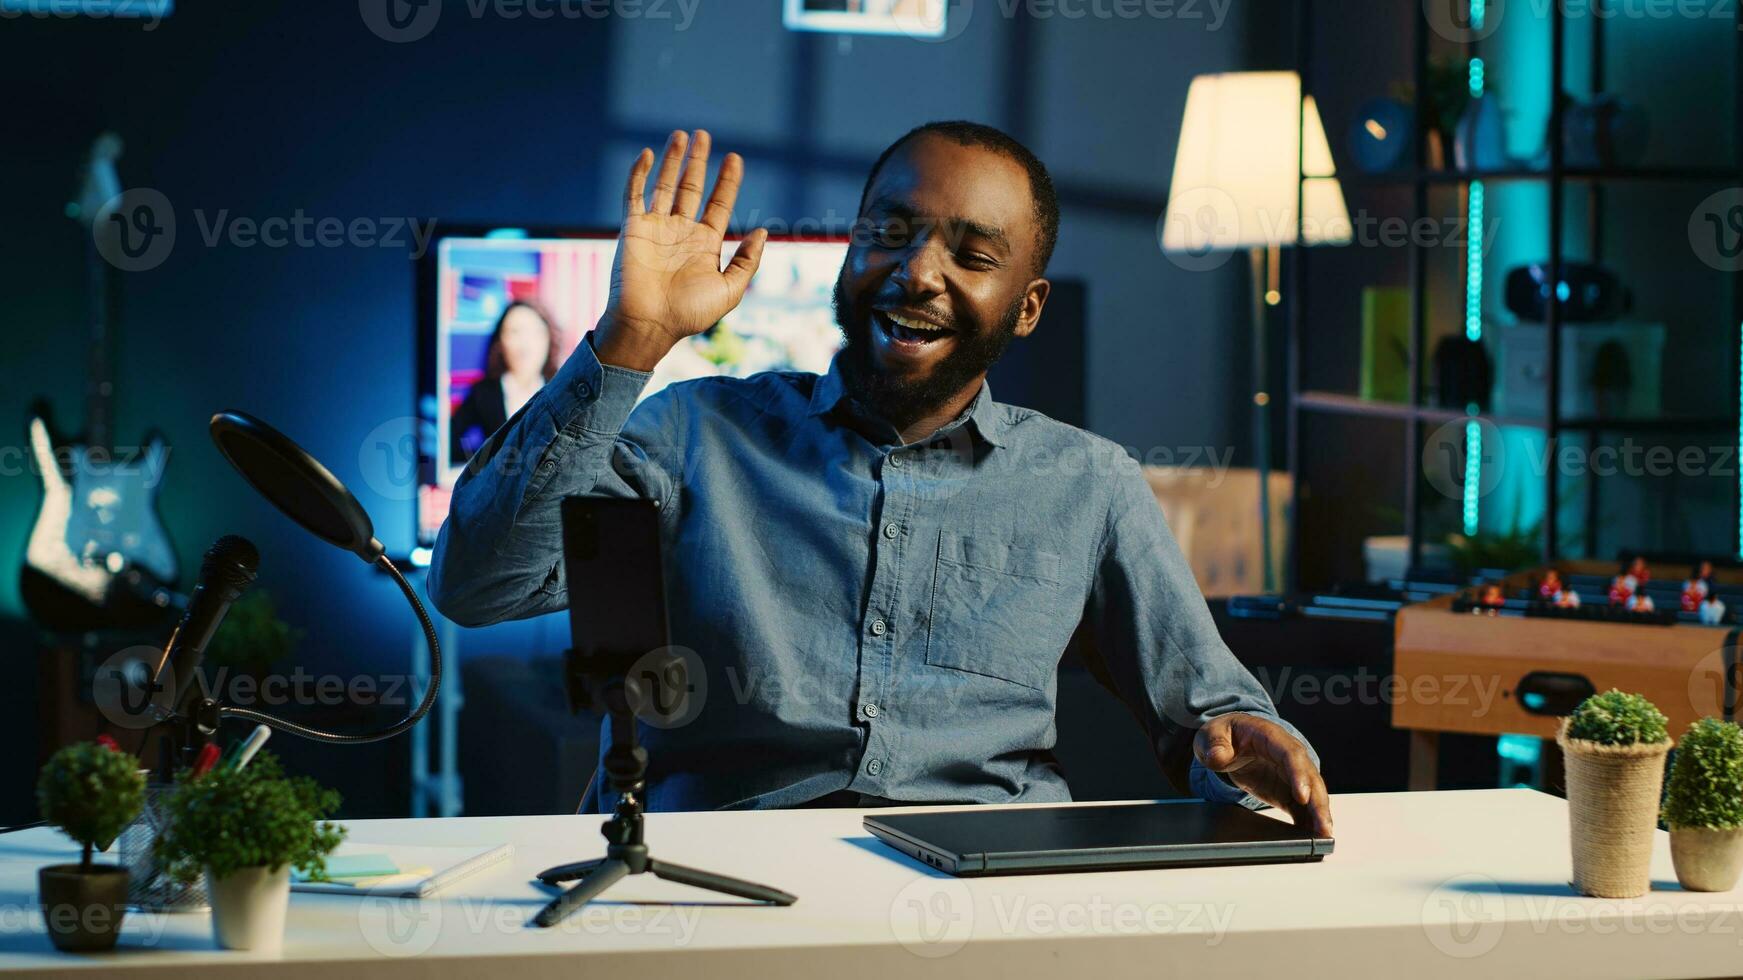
<point x="1235" y="172"/>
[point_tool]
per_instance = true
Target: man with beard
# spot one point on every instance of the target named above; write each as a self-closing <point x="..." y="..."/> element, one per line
<point x="879" y="568"/>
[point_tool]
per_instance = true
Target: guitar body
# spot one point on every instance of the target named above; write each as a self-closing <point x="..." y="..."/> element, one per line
<point x="98" y="556"/>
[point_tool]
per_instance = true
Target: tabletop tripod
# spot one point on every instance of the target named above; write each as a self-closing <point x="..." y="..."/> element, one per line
<point x="626" y="765"/>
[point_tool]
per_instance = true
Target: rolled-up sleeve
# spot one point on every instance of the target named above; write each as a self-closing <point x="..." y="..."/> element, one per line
<point x="1157" y="644"/>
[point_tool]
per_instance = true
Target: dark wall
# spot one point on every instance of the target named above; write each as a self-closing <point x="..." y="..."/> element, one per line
<point x="273" y="110"/>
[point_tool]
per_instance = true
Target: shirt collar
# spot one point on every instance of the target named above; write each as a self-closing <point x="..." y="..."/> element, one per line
<point x="985" y="415"/>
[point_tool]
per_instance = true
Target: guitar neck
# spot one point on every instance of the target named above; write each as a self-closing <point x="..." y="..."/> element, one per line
<point x="103" y="297"/>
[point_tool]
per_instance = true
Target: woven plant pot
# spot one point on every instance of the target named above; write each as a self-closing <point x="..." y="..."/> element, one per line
<point x="1612" y="805"/>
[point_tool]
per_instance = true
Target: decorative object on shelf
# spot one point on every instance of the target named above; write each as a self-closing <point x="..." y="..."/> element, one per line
<point x="1385" y="343"/>
<point x="1614" y="746"/>
<point x="1449" y="93"/>
<point x="1608" y="370"/>
<point x="1254" y="172"/>
<point x="1703" y="806"/>
<point x="90" y="791"/>
<point x="1463" y="373"/>
<point x="246" y="828"/>
<point x="1481" y="140"/>
<point x="1604" y="131"/>
<point x="1589" y="293"/>
<point x="1382" y="137"/>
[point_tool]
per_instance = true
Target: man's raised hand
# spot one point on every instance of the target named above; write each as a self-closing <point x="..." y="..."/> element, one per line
<point x="666" y="282"/>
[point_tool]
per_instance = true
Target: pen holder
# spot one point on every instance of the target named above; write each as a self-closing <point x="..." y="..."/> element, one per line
<point x="153" y="888"/>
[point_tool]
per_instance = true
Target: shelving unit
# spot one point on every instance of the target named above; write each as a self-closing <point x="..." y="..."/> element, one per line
<point x="1415" y="412"/>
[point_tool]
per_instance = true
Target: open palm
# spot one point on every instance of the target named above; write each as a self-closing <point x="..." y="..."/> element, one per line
<point x="666" y="282"/>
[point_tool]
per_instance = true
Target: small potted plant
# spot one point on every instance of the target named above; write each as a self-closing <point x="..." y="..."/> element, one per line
<point x="1614" y="746"/>
<point x="247" y="828"/>
<point x="1703" y="806"/>
<point x="91" y="791"/>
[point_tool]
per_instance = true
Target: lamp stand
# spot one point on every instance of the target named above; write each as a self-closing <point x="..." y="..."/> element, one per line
<point x="1266" y="261"/>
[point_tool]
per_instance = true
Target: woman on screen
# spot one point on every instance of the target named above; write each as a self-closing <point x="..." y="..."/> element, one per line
<point x="523" y="354"/>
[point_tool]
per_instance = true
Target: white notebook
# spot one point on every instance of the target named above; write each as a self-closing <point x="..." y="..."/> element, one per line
<point x="438" y="867"/>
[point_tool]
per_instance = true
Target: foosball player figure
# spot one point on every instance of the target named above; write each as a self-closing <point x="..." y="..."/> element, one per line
<point x="1698" y="586"/>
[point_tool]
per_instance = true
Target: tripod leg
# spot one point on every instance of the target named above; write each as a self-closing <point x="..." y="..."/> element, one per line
<point x="568" y="872"/>
<point x="582" y="892"/>
<point x="719" y="883"/>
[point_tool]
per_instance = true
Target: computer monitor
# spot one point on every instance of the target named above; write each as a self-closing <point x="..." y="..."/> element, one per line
<point x="470" y="276"/>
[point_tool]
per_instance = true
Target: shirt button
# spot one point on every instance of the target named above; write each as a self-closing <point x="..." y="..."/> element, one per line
<point x="875" y="766"/>
<point x="895" y="459"/>
<point x="871" y="710"/>
<point x="584" y="389"/>
<point x="891" y="530"/>
<point x="878" y="627"/>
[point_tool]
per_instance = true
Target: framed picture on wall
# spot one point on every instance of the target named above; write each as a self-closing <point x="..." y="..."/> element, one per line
<point x="914" y="18"/>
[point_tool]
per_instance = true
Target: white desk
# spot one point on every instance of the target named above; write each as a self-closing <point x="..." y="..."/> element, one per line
<point x="1422" y="885"/>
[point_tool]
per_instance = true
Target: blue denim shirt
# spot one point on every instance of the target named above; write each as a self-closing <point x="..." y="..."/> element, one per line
<point x="868" y="616"/>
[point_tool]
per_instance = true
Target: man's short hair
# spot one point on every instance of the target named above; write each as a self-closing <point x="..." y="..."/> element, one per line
<point x="965" y="133"/>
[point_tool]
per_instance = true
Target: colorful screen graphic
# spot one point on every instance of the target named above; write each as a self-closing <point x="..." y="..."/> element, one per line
<point x="786" y="322"/>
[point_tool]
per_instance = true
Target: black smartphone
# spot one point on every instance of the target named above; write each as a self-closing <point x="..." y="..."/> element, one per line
<point x="616" y="580"/>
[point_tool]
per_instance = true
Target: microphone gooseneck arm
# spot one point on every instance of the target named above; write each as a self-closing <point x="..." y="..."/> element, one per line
<point x="404" y="724"/>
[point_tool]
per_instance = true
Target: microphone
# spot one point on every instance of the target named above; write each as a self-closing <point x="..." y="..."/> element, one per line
<point x="227" y="571"/>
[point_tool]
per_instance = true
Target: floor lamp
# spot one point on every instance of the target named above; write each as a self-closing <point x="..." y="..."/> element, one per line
<point x="1244" y="179"/>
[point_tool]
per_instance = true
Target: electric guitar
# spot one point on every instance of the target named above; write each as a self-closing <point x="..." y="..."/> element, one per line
<point x="98" y="556"/>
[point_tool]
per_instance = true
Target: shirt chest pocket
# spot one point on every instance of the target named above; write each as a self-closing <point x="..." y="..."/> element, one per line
<point x="996" y="611"/>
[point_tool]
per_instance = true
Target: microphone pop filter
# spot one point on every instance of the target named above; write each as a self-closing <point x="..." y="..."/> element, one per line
<point x="295" y="482"/>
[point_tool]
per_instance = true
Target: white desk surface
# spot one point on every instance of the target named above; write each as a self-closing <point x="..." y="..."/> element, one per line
<point x="1421" y="885"/>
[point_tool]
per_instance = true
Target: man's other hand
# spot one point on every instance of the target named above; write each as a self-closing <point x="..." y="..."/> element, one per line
<point x="1263" y="758"/>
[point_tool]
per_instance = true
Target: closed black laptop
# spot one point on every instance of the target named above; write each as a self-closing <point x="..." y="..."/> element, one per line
<point x="1027" y="840"/>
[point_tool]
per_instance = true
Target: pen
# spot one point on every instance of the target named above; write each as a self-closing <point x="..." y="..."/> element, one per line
<point x="256" y="739"/>
<point x="207" y="758"/>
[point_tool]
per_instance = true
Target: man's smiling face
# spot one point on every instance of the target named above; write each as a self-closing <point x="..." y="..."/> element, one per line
<point x="941" y="275"/>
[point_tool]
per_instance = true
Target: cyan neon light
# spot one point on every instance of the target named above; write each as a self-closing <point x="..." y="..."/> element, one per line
<point x="1474" y="300"/>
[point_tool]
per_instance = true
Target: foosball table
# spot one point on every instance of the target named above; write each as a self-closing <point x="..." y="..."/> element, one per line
<point x="1515" y="655"/>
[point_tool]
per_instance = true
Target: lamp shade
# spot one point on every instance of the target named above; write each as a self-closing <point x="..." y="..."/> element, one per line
<point x="1236" y="168"/>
